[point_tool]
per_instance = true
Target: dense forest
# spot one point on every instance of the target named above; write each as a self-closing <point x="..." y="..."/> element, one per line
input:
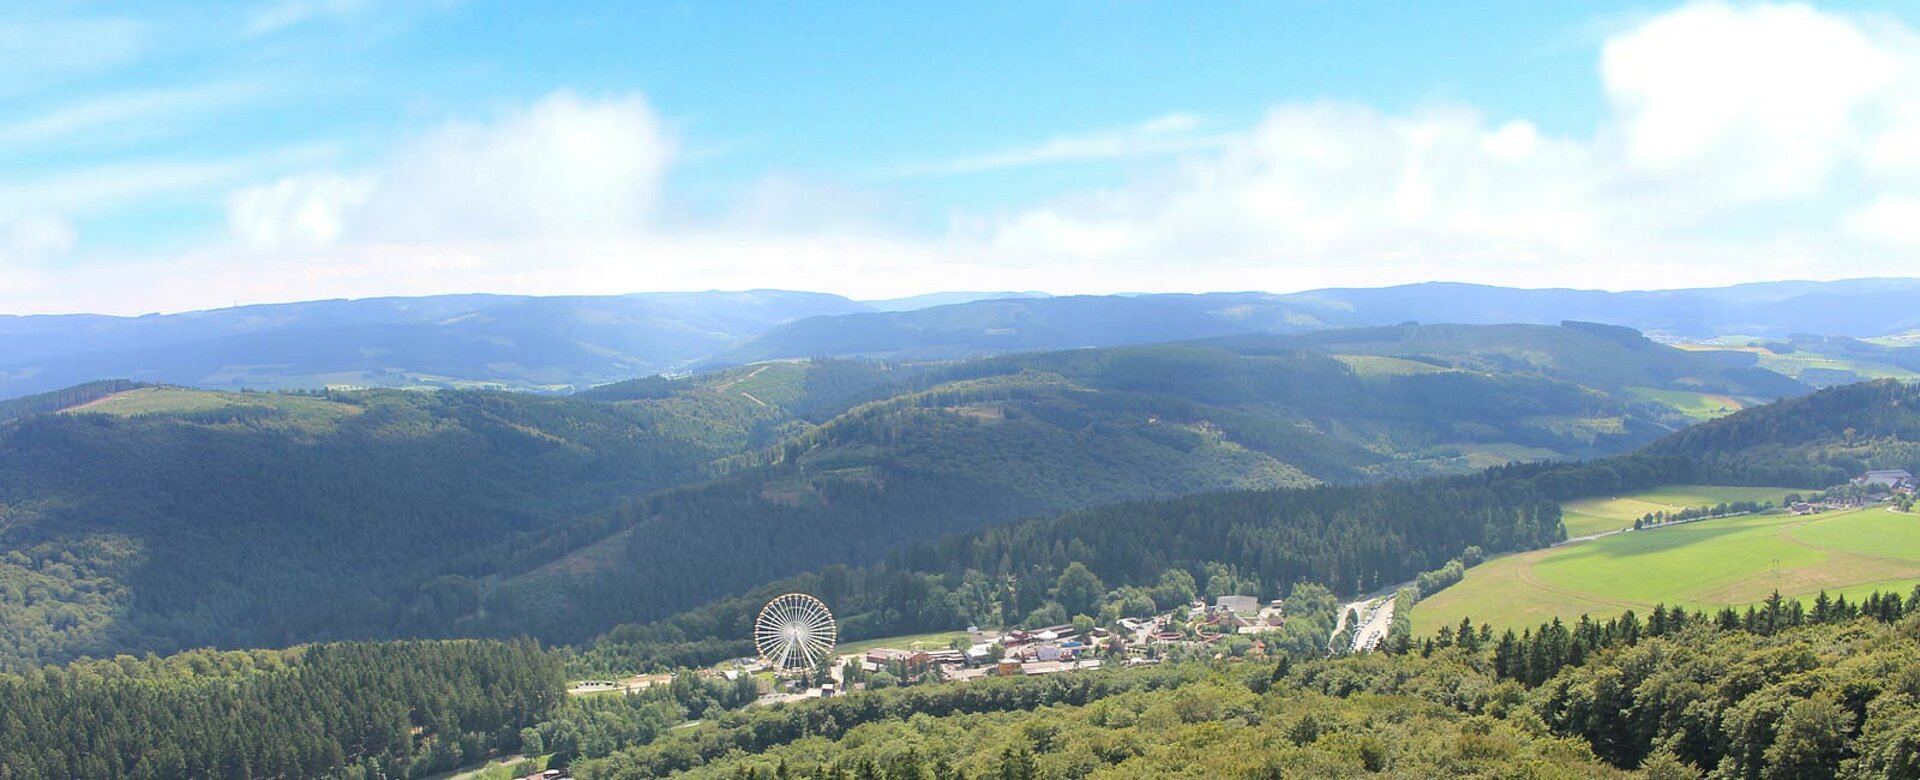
<point x="352" y="710"/>
<point x="273" y="519"/>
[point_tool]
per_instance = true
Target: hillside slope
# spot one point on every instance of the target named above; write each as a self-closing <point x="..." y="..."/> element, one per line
<point x="160" y="518"/>
<point x="1818" y="439"/>
<point x="992" y="441"/>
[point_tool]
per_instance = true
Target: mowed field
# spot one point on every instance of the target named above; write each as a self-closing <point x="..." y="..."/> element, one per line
<point x="1699" y="406"/>
<point x="1705" y="565"/>
<point x="1594" y="515"/>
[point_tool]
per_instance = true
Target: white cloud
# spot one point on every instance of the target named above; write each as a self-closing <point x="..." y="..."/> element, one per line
<point x="1762" y="102"/>
<point x="1330" y="185"/>
<point x="307" y="210"/>
<point x="565" y="167"/>
<point x="1716" y="111"/>
<point x="1893" y="219"/>
<point x="1738" y="143"/>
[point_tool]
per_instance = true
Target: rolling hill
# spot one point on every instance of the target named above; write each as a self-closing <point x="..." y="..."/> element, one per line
<point x="985" y="442"/>
<point x="194" y="517"/>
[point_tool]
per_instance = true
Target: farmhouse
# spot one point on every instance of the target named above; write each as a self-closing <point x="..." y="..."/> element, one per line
<point x="1889" y="478"/>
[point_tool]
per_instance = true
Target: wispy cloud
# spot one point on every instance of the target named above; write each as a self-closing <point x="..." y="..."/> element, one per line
<point x="1170" y="134"/>
<point x="99" y="189"/>
<point x="273" y="17"/>
<point x="130" y="112"/>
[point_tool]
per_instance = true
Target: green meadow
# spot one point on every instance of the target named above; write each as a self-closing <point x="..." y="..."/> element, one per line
<point x="181" y="400"/>
<point x="1703" y="565"/>
<point x="1699" y="406"/>
<point x="1594" y="515"/>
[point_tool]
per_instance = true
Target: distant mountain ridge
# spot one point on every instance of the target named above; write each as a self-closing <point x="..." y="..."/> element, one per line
<point x="1855" y="308"/>
<point x="519" y="342"/>
<point x="566" y="343"/>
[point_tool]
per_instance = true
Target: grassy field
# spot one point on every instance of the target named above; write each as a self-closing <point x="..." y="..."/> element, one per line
<point x="1482" y="455"/>
<point x="1698" y="406"/>
<point x="1704" y="565"/>
<point x="1594" y="515"/>
<point x="180" y="400"/>
<point x="934" y="641"/>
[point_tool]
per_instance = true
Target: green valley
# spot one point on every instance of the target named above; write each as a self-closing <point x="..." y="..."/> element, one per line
<point x="463" y="513"/>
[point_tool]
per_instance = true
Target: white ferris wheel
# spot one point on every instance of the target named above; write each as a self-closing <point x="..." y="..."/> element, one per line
<point x="794" y="631"/>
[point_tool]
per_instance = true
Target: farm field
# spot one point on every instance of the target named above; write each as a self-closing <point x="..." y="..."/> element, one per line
<point x="1595" y="515"/>
<point x="180" y="400"/>
<point x="1798" y="363"/>
<point x="1704" y="565"/>
<point x="1700" y="407"/>
<point x="1482" y="455"/>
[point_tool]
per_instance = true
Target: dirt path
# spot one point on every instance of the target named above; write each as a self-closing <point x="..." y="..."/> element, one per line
<point x="726" y="385"/>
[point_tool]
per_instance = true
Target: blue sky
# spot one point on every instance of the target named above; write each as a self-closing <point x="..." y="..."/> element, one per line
<point x="173" y="156"/>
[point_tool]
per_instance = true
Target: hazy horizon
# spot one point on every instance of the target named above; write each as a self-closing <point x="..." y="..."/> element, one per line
<point x="975" y="294"/>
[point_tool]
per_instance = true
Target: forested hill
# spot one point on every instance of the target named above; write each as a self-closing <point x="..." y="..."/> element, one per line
<point x="1818" y="439"/>
<point x="978" y="443"/>
<point x="159" y="517"/>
